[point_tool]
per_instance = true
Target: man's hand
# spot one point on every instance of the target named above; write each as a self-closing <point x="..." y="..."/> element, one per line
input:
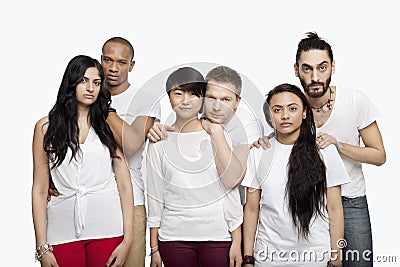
<point x="324" y="140"/>
<point x="158" y="132"/>
<point x="211" y="127"/>
<point x="263" y="142"/>
<point x="52" y="191"/>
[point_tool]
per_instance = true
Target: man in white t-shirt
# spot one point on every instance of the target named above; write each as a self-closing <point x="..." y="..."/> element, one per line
<point x="221" y="109"/>
<point x="342" y="116"/>
<point x="137" y="112"/>
<point x="240" y="128"/>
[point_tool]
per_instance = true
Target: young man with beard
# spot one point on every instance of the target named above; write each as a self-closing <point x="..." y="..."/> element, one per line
<point x="342" y="116"/>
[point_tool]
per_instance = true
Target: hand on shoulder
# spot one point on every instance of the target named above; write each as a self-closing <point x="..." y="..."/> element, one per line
<point x="158" y="132"/>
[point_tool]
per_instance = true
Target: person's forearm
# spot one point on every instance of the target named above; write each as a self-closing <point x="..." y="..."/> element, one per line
<point x="237" y="236"/>
<point x="125" y="189"/>
<point x="250" y="219"/>
<point x="127" y="204"/>
<point x="249" y="230"/>
<point x="336" y="221"/>
<point x="373" y="151"/>
<point x="127" y="213"/>
<point x="367" y="155"/>
<point x="336" y="232"/>
<point x="39" y="214"/>
<point x="154" y="237"/>
<point x="128" y="137"/>
<point x="229" y="167"/>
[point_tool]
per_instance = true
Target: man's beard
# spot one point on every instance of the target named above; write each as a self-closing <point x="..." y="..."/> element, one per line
<point x="310" y="92"/>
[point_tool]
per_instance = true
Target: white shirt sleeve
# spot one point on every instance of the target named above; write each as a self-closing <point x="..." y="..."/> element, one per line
<point x="336" y="173"/>
<point x="367" y="111"/>
<point x="251" y="178"/>
<point x="155" y="186"/>
<point x="233" y="209"/>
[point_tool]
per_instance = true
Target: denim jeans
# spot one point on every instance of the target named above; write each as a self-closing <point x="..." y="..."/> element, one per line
<point x="357" y="233"/>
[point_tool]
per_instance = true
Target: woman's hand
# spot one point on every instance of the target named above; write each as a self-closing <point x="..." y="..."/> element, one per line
<point x="48" y="260"/>
<point x="235" y="255"/>
<point x="156" y="260"/>
<point x="118" y="256"/>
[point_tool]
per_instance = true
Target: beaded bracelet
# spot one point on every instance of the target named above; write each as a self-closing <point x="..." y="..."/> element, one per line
<point x="46" y="247"/>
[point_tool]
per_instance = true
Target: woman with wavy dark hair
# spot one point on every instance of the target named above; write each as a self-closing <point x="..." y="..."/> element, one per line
<point x="90" y="222"/>
<point x="294" y="190"/>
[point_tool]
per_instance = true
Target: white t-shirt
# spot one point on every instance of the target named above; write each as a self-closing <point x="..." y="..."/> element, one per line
<point x="352" y="112"/>
<point x="129" y="105"/>
<point x="277" y="242"/>
<point x="243" y="128"/>
<point x="88" y="206"/>
<point x="186" y="198"/>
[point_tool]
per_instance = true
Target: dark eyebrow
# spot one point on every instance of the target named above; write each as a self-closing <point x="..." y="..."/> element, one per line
<point x="97" y="79"/>
<point x="291" y="104"/>
<point x="276" y="106"/>
<point x="319" y="64"/>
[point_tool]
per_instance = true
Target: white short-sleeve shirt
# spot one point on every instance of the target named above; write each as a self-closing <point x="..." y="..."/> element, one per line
<point x="131" y="104"/>
<point x="267" y="170"/>
<point x="352" y="112"/>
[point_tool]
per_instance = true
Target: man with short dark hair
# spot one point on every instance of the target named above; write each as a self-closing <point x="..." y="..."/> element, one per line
<point x="138" y="112"/>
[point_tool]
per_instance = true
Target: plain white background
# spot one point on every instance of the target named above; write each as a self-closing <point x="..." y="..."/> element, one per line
<point x="257" y="38"/>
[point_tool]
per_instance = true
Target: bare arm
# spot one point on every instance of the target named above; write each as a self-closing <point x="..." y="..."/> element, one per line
<point x="129" y="137"/>
<point x="41" y="176"/>
<point x="235" y="254"/>
<point x="336" y="222"/>
<point x="231" y="165"/>
<point x="123" y="178"/>
<point x="250" y="221"/>
<point x="155" y="254"/>
<point x="373" y="151"/>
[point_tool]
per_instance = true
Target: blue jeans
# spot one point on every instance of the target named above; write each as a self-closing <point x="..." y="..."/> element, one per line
<point x="357" y="232"/>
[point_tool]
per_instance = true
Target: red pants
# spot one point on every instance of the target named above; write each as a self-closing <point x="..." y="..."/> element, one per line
<point x="192" y="254"/>
<point x="86" y="253"/>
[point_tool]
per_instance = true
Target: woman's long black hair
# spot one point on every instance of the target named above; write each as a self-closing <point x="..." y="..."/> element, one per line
<point x="63" y="131"/>
<point x="306" y="184"/>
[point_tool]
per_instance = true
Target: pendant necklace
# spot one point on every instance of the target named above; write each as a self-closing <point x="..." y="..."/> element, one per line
<point x="328" y="103"/>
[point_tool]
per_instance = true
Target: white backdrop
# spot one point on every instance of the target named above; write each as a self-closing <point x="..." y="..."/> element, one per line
<point x="256" y="38"/>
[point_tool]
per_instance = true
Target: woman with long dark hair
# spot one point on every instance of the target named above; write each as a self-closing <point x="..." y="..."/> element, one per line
<point x="293" y="190"/>
<point x="90" y="222"/>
